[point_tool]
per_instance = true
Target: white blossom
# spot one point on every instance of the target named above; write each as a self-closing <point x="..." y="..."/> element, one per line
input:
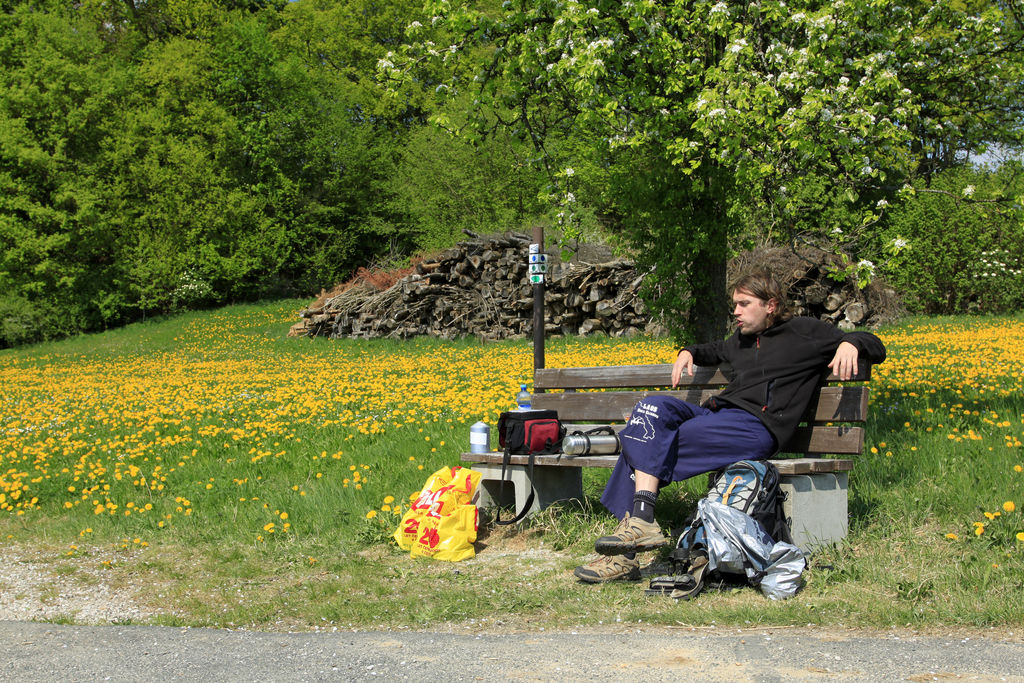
<point x="969" y="191"/>
<point x="737" y="46"/>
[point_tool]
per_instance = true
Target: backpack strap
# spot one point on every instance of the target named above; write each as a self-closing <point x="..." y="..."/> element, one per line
<point x="505" y="460"/>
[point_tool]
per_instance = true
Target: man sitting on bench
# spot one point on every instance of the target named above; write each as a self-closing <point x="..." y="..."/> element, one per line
<point x="777" y="361"/>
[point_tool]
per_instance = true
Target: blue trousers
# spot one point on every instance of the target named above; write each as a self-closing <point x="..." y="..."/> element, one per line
<point x="675" y="440"/>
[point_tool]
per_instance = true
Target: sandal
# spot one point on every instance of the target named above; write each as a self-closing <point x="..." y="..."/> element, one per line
<point x="692" y="588"/>
<point x="665" y="585"/>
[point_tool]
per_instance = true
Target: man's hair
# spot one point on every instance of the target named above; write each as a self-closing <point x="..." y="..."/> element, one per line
<point x="766" y="287"/>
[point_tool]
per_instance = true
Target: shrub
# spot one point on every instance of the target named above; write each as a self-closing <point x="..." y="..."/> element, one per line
<point x="963" y="250"/>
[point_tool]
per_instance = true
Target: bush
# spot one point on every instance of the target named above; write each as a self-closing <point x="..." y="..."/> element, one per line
<point x="963" y="251"/>
<point x="21" y="322"/>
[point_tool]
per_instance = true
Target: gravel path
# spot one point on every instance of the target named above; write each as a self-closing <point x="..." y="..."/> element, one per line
<point x="35" y="587"/>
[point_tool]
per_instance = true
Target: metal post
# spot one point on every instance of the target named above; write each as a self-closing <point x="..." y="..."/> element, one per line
<point x="538" y="307"/>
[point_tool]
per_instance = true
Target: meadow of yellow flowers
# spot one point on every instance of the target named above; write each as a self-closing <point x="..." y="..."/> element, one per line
<point x="223" y="421"/>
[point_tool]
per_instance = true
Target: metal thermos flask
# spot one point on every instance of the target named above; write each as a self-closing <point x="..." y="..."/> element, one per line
<point x="590" y="444"/>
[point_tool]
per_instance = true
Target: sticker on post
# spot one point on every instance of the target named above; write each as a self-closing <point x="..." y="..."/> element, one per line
<point x="538" y="268"/>
<point x="538" y="258"/>
<point x="537" y="278"/>
<point x="534" y="248"/>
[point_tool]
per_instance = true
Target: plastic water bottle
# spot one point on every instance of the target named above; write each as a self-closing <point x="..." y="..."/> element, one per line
<point x="523" y="399"/>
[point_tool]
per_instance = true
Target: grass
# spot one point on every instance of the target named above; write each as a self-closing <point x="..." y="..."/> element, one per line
<point x="230" y="476"/>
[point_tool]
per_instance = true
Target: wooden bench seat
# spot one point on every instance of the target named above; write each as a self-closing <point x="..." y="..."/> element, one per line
<point x="816" y="485"/>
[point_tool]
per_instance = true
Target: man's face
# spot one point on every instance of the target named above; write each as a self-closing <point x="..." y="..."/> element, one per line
<point x="751" y="313"/>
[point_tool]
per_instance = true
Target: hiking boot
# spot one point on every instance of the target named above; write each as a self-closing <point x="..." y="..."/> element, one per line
<point x="609" y="568"/>
<point x="632" y="535"/>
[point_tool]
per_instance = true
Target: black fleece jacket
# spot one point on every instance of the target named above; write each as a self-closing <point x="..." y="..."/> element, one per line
<point x="774" y="374"/>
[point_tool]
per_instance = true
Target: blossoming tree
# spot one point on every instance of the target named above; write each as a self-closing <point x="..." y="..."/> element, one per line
<point x="687" y="120"/>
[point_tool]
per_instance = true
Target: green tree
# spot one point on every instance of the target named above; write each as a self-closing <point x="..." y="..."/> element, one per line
<point x="690" y="118"/>
<point x="58" y="265"/>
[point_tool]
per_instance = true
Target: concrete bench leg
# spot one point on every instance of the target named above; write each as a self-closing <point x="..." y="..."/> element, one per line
<point x="552" y="484"/>
<point x="816" y="505"/>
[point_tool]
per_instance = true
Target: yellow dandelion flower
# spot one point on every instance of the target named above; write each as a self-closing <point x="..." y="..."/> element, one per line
<point x="1018" y="468"/>
<point x="1020" y="536"/>
<point x="371" y="514"/>
<point x="952" y="537"/>
<point x="389" y="499"/>
<point x="979" y="530"/>
<point x="1009" y="506"/>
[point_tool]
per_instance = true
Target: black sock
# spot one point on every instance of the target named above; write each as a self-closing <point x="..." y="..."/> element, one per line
<point x="643" y="505"/>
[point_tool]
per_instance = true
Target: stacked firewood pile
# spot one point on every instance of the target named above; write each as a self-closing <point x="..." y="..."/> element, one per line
<point x="481" y="288"/>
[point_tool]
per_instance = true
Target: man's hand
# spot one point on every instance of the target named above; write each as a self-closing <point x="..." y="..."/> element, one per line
<point x="844" y="363"/>
<point x="683" y="361"/>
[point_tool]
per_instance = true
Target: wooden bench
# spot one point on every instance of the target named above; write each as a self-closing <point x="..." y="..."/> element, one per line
<point x="816" y="486"/>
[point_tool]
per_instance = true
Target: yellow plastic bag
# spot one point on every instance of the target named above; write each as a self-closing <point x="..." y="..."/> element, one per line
<point x="441" y="523"/>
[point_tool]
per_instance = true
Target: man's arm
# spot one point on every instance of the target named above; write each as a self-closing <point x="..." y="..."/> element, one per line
<point x="708" y="354"/>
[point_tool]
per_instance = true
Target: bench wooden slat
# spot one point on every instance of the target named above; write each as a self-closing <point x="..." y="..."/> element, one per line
<point x="622" y="376"/>
<point x="636" y="376"/>
<point x="835" y="404"/>
<point x="817" y="440"/>
<point x="786" y="466"/>
<point x="840" y="440"/>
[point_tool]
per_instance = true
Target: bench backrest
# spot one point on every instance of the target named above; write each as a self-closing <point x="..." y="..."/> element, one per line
<point x="833" y="423"/>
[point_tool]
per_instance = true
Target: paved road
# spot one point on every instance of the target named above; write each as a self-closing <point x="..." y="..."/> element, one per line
<point x="47" y="652"/>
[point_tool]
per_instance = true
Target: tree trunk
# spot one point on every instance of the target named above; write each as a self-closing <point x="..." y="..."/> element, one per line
<point x="709" y="316"/>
